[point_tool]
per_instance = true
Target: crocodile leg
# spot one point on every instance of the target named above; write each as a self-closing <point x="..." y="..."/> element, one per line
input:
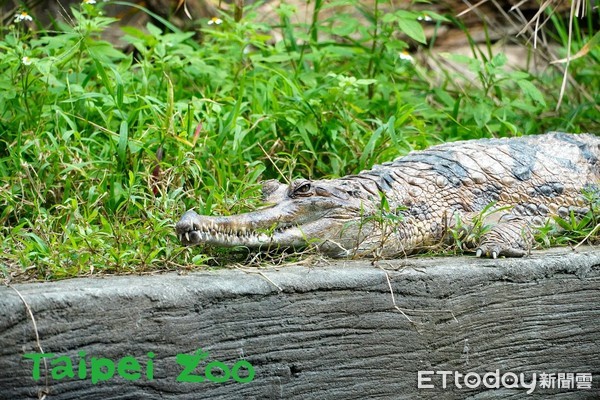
<point x="511" y="236"/>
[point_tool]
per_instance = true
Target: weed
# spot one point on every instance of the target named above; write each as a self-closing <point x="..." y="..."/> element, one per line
<point x="578" y="227"/>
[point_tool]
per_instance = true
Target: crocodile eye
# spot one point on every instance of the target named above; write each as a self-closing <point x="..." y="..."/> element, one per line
<point x="305" y="189"/>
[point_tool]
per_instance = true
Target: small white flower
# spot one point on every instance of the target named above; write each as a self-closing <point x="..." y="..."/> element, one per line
<point x="425" y="18"/>
<point x="406" y="57"/>
<point x="89" y="1"/>
<point x="23" y="16"/>
<point x="215" y="20"/>
<point x="26" y="60"/>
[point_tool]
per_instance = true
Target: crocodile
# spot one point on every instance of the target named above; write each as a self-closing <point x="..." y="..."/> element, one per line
<point x="507" y="187"/>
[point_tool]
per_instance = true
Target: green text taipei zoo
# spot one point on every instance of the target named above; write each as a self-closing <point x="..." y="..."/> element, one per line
<point x="99" y="369"/>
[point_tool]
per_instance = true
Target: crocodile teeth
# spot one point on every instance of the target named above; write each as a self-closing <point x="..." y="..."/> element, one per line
<point x="478" y="253"/>
<point x="494" y="254"/>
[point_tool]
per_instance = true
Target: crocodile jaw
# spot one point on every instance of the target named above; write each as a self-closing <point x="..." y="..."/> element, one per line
<point x="252" y="230"/>
<point x="287" y="224"/>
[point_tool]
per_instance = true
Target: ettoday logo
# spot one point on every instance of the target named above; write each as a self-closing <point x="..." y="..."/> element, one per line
<point x="508" y="380"/>
<point x="99" y="369"/>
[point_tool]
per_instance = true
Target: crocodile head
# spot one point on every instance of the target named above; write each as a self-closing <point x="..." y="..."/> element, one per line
<point x="325" y="213"/>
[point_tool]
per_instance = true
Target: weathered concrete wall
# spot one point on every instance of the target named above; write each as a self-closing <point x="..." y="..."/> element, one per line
<point x="332" y="332"/>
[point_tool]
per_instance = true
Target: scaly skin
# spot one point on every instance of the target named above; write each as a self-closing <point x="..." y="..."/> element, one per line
<point x="409" y="204"/>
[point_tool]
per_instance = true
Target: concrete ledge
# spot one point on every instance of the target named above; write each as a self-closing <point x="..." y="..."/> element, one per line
<point x="331" y="332"/>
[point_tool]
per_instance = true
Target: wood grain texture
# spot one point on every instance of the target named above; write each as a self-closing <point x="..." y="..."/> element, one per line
<point x="331" y="333"/>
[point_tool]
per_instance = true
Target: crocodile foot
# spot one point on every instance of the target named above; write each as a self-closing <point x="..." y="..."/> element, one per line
<point x="510" y="237"/>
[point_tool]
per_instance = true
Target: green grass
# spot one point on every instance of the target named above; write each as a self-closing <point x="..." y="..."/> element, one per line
<point x="101" y="151"/>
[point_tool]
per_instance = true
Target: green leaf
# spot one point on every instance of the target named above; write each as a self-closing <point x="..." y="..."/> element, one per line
<point x="104" y="51"/>
<point x="444" y="97"/>
<point x="346" y="27"/>
<point x="275" y="58"/>
<point x="123" y="140"/>
<point x="365" y="82"/>
<point x="370" y="147"/>
<point x="482" y="114"/>
<point x="531" y="91"/>
<point x="437" y="17"/>
<point x="154" y="30"/>
<point x="499" y="60"/>
<point x="413" y="29"/>
<point x="472" y="63"/>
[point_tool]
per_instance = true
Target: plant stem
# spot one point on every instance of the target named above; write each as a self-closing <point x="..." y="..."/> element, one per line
<point x="371" y="66"/>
